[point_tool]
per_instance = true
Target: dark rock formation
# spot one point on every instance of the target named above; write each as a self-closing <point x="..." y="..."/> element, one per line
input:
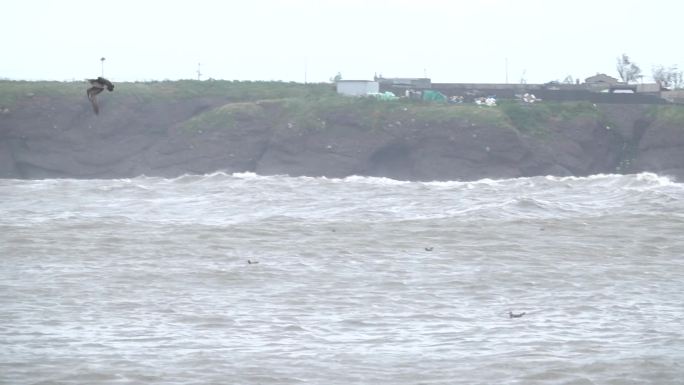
<point x="48" y="137"/>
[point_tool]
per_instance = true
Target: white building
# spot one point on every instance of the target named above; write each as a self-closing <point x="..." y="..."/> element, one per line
<point x="357" y="87"/>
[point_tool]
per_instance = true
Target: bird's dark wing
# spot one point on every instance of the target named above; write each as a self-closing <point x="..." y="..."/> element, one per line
<point x="93" y="91"/>
<point x="96" y="108"/>
<point x="104" y="83"/>
<point x="98" y="85"/>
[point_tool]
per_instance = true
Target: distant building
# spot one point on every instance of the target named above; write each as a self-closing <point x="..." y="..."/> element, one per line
<point x="601" y="80"/>
<point x="652" y="88"/>
<point x="408" y="83"/>
<point x="357" y="87"/>
<point x="673" y="96"/>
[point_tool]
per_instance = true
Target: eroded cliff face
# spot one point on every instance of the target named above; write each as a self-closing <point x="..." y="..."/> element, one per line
<point x="52" y="137"/>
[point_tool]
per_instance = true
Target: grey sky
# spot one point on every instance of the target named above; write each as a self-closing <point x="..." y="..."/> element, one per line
<point x="449" y="41"/>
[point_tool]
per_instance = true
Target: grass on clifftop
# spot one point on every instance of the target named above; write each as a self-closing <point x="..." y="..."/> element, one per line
<point x="224" y="117"/>
<point x="669" y="113"/>
<point x="334" y="112"/>
<point x="230" y="90"/>
<point x="317" y="106"/>
<point x="534" y="118"/>
<point x="13" y="91"/>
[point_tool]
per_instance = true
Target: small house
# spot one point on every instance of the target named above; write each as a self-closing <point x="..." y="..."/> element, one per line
<point x="601" y="80"/>
<point x="357" y="87"/>
<point x="412" y="83"/>
<point x="651" y="88"/>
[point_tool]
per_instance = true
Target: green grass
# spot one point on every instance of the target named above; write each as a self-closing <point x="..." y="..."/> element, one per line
<point x="451" y="113"/>
<point x="669" y="113"/>
<point x="328" y="112"/>
<point x="317" y="106"/>
<point x="230" y="90"/>
<point x="371" y="114"/>
<point x="535" y="118"/>
<point x="224" y="117"/>
<point x="13" y="91"/>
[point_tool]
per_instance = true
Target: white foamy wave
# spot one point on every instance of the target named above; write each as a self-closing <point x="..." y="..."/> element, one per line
<point x="649" y="177"/>
<point x="660" y="180"/>
<point x="645" y="179"/>
<point x="246" y="175"/>
<point x="485" y="182"/>
<point x="374" y="180"/>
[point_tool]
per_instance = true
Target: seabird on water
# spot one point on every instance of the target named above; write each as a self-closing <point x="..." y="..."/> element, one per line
<point x="98" y="85"/>
<point x="514" y="315"/>
<point x="249" y="261"/>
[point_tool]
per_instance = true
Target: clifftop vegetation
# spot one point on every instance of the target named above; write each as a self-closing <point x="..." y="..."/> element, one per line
<point x="315" y="106"/>
<point x="48" y="129"/>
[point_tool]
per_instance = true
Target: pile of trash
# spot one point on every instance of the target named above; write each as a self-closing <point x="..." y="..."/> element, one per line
<point x="383" y="95"/>
<point x="456" y="99"/>
<point x="529" y="98"/>
<point x="489" y="101"/>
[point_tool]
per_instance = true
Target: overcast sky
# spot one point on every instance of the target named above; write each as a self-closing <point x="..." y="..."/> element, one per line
<point x="312" y="40"/>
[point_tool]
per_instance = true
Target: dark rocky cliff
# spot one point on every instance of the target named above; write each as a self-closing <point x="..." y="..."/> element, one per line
<point x="159" y="133"/>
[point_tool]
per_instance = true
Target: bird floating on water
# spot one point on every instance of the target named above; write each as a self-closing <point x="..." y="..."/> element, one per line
<point x="249" y="261"/>
<point x="98" y="85"/>
<point x="429" y="248"/>
<point x="514" y="315"/>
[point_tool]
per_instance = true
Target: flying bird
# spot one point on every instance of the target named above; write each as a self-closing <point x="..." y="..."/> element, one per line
<point x="98" y="85"/>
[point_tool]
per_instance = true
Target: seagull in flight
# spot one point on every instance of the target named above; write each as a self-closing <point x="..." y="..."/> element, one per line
<point x="98" y="85"/>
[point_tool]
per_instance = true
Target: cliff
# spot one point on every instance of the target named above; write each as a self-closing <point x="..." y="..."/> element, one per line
<point x="48" y="130"/>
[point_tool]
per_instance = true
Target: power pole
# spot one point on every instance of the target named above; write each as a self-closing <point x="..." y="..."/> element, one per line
<point x="199" y="72"/>
<point x="102" y="59"/>
<point x="506" y="70"/>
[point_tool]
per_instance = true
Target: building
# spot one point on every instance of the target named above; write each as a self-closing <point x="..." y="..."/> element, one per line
<point x="601" y="80"/>
<point x="357" y="87"/>
<point x="407" y="83"/>
<point x="651" y="88"/>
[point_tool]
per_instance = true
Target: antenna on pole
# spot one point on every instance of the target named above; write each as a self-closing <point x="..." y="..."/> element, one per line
<point x="199" y="72"/>
<point x="506" y="70"/>
<point x="102" y="59"/>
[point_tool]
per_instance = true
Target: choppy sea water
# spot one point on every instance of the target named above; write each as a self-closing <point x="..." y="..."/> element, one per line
<point x="358" y="281"/>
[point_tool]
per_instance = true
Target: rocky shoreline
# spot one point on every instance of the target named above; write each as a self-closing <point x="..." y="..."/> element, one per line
<point x="58" y="136"/>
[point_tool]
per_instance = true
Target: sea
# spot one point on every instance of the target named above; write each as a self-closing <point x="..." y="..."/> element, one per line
<point x="249" y="279"/>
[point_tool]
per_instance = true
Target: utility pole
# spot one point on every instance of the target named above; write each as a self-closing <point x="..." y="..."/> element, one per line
<point x="102" y="59"/>
<point x="199" y="72"/>
<point x="506" y="70"/>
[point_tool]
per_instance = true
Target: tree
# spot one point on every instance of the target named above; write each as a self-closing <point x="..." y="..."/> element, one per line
<point x="668" y="77"/>
<point x="627" y="70"/>
<point x="336" y="78"/>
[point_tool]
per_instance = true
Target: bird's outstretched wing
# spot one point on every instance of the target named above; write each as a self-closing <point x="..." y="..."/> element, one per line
<point x="92" y="92"/>
<point x="93" y="101"/>
<point x="98" y="85"/>
<point x="106" y="83"/>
